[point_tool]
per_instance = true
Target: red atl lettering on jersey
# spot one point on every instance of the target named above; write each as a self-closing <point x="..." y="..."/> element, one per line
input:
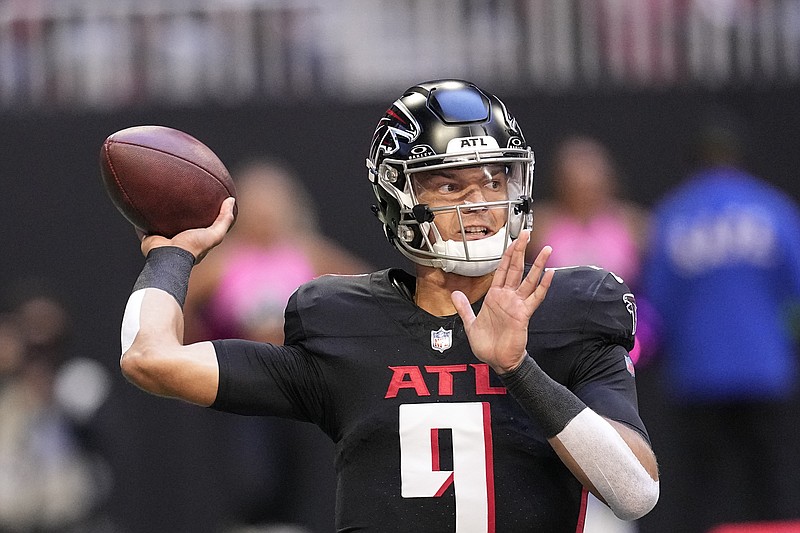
<point x="445" y="376"/>
<point x="410" y="377"/>
<point x="482" y="381"/>
<point x="406" y="377"/>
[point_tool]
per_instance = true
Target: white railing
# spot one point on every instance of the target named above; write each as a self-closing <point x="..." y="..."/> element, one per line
<point x="115" y="53"/>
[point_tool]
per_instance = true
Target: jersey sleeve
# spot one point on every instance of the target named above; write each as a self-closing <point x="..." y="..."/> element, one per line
<point x="604" y="380"/>
<point x="266" y="379"/>
<point x="582" y="336"/>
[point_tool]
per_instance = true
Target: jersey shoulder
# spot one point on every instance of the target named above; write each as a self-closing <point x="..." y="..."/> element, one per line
<point x="585" y="303"/>
<point x="332" y="305"/>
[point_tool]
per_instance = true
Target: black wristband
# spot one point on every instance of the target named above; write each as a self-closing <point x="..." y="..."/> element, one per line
<point x="167" y="268"/>
<point x="545" y="400"/>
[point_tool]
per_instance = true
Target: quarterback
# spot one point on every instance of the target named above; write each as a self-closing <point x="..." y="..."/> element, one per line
<point x="478" y="394"/>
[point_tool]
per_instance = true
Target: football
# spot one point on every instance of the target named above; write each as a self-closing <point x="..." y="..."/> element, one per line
<point x="163" y="180"/>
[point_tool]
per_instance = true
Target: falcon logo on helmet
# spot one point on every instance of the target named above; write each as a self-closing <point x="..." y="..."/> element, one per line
<point x="398" y="124"/>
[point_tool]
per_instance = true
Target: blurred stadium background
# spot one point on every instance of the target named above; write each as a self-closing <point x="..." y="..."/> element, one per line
<point x="307" y="80"/>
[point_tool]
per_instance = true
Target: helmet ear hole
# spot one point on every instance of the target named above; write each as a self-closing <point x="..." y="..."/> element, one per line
<point x="405" y="233"/>
<point x="411" y="234"/>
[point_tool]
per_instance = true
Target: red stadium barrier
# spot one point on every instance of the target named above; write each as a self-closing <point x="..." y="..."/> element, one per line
<point x="758" y="527"/>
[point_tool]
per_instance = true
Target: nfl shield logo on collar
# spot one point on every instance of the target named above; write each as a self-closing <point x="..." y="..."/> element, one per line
<point x="441" y="339"/>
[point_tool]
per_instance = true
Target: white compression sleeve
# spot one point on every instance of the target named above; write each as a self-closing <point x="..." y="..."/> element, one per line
<point x="610" y="465"/>
<point x="130" y="320"/>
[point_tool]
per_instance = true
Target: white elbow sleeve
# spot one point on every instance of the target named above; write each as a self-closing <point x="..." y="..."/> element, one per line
<point x="610" y="465"/>
<point x="130" y="320"/>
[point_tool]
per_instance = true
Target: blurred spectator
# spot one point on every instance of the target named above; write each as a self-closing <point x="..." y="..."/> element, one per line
<point x="51" y="479"/>
<point x="280" y="470"/>
<point x="723" y="272"/>
<point x="588" y="222"/>
<point x="273" y="248"/>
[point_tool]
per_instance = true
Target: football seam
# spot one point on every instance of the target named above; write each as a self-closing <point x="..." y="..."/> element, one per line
<point x="219" y="181"/>
<point x="107" y="149"/>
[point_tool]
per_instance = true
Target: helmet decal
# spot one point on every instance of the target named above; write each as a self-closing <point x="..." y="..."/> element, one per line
<point x="398" y="123"/>
<point x="459" y="144"/>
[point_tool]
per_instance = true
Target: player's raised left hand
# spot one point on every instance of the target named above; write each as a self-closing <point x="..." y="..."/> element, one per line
<point x="498" y="335"/>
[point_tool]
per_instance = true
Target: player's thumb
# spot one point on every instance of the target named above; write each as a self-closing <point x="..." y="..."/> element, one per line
<point x="463" y="307"/>
<point x="224" y="220"/>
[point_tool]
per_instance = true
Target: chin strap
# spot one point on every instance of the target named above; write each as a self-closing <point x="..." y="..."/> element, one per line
<point x="484" y="255"/>
<point x="473" y="269"/>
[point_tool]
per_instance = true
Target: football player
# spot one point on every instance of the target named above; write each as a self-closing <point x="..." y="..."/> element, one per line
<point x="459" y="398"/>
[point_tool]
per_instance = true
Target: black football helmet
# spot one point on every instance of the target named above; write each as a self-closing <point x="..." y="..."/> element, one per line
<point x="446" y="124"/>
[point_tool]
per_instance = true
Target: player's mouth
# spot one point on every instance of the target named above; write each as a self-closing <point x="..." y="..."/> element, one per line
<point x="473" y="233"/>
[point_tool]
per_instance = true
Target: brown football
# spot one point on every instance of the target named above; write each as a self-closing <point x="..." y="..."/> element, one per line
<point x="163" y="180"/>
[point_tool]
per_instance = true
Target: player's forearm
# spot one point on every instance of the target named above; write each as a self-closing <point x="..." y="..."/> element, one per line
<point x="588" y="444"/>
<point x="155" y="307"/>
<point x="152" y="326"/>
<point x="151" y="330"/>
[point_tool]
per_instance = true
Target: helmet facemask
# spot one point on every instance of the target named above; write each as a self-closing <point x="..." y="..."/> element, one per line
<point x="459" y="213"/>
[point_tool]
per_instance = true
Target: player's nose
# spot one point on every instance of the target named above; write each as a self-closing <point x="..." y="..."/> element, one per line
<point x="474" y="194"/>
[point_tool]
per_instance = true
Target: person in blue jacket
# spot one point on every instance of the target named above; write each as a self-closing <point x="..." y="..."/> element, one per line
<point x="723" y="273"/>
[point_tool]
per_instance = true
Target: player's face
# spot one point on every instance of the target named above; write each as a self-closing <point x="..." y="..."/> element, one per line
<point x="464" y="186"/>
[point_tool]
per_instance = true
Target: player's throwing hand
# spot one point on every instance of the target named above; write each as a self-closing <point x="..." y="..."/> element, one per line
<point x="197" y="241"/>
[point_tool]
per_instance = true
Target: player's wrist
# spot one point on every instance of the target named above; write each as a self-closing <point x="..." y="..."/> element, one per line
<point x="153" y="242"/>
<point x="510" y="367"/>
<point x="515" y="368"/>
<point x="545" y="400"/>
<point x="167" y="268"/>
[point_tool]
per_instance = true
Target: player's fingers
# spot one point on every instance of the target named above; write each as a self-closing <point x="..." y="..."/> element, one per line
<point x="516" y="267"/>
<point x="200" y="241"/>
<point x="215" y="233"/>
<point x="532" y="280"/>
<point x="537" y="297"/>
<point x="499" y="279"/>
<point x="463" y="308"/>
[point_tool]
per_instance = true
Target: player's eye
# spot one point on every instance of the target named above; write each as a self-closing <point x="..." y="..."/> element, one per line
<point x="446" y="188"/>
<point x="440" y="185"/>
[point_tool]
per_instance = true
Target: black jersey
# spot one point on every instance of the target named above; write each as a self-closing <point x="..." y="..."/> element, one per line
<point x="427" y="439"/>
